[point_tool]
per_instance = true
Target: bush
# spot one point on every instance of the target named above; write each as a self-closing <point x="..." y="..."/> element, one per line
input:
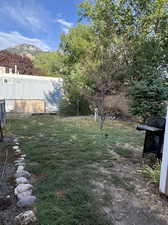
<point x="74" y="106"/>
<point x="148" y="97"/>
<point x="66" y="108"/>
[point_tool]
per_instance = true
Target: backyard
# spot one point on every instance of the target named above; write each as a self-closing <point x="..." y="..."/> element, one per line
<point x="84" y="176"/>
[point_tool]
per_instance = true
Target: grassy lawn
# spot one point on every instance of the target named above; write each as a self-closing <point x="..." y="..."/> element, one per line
<point x="64" y="155"/>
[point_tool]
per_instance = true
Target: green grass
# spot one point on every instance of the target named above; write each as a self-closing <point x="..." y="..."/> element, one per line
<point x="124" y="152"/>
<point x="62" y="154"/>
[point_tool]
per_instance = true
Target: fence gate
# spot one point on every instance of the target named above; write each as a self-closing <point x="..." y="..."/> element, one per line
<point x="2" y="117"/>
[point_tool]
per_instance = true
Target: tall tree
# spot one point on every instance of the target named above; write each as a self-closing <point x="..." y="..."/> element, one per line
<point x="50" y="63"/>
<point x="142" y="26"/>
<point x="92" y="66"/>
<point x="126" y="17"/>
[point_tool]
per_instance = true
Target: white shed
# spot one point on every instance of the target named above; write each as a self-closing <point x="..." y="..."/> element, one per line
<point x="30" y="94"/>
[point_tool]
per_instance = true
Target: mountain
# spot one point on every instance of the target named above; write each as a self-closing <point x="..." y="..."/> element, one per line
<point x="25" y="50"/>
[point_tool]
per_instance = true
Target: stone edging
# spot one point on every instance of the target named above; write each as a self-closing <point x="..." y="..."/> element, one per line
<point x="23" y="190"/>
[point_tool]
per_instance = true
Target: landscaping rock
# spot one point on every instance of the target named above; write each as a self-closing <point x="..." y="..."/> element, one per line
<point x="22" y="187"/>
<point x="20" y="164"/>
<point x="15" y="147"/>
<point x="20" y="168"/>
<point x="26" y="218"/>
<point x="23" y="173"/>
<point x="18" y="151"/>
<point x="17" y="162"/>
<point x="20" y="160"/>
<point x="24" y="194"/>
<point x="21" y="180"/>
<point x="15" y="140"/>
<point x="27" y="201"/>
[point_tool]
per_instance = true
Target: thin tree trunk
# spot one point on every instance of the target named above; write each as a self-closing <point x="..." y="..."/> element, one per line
<point x="102" y="115"/>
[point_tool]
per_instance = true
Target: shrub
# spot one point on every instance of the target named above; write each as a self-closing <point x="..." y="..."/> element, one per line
<point x="66" y="108"/>
<point x="148" y="97"/>
<point x="74" y="106"/>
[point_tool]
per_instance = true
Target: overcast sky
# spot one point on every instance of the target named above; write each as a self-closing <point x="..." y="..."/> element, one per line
<point x="37" y="22"/>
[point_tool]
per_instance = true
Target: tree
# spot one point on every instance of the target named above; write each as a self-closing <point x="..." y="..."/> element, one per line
<point x="124" y="43"/>
<point x="92" y="67"/>
<point x="75" y="46"/>
<point x="126" y="17"/>
<point x="149" y="96"/>
<point x="148" y="55"/>
<point x="147" y="88"/>
<point x="23" y="63"/>
<point x="105" y="69"/>
<point x="142" y="25"/>
<point x="50" y="63"/>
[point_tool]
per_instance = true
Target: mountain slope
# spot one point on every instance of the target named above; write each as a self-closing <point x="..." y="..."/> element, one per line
<point x="25" y="50"/>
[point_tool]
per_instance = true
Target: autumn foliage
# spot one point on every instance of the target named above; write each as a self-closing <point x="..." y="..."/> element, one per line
<point x="24" y="64"/>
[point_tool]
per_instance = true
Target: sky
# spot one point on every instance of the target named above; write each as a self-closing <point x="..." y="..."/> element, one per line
<point x="37" y="22"/>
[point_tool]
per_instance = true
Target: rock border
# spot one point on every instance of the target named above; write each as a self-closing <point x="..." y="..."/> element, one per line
<point x="23" y="190"/>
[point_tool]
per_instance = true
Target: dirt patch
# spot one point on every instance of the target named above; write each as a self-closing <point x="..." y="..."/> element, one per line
<point x="8" y="208"/>
<point x="125" y="196"/>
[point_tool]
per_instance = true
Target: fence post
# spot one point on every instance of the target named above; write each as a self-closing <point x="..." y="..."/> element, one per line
<point x="164" y="166"/>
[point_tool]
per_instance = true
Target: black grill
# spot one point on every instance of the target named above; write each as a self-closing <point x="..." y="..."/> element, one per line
<point x="154" y="136"/>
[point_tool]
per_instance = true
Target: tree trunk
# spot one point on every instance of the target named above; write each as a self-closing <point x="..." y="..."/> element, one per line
<point x="102" y="113"/>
